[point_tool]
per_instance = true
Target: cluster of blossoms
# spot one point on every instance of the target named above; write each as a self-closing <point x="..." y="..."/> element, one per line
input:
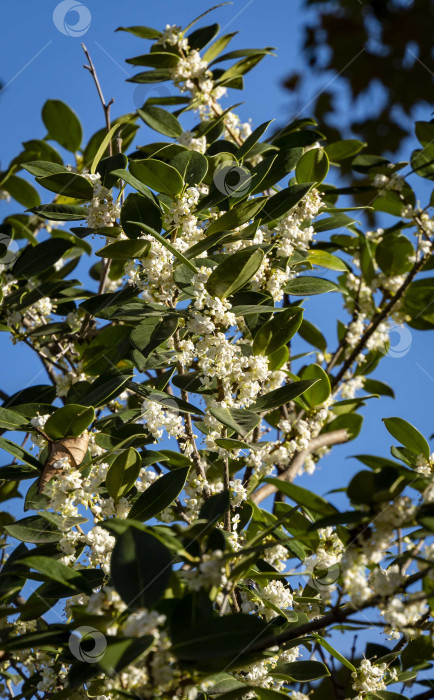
<point x="215" y="345"/>
<point x="102" y="212"/>
<point x="368" y="678"/>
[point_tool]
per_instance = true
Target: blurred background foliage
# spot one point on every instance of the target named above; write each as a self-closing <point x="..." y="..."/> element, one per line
<point x="368" y="68"/>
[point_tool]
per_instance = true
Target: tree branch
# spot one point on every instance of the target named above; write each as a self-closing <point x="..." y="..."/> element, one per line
<point x="378" y="319"/>
<point x="325" y="440"/>
<point x="339" y="615"/>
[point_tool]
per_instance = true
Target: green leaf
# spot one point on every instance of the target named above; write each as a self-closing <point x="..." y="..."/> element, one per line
<point x="240" y="420"/>
<point x="125" y="250"/>
<point x="408" y="436"/>
<point x="250" y="141"/>
<point x="157" y="175"/>
<point x="42" y="168"/>
<point x="327" y="260"/>
<point x="9" y="420"/>
<point x="312" y="335"/>
<point x="282" y="202"/>
<point x="279" y="397"/>
<point x="141" y="32"/>
<point x="328" y="647"/>
<point x="120" y="653"/>
<point x="217" y="47"/>
<point x="303" y="497"/>
<point x="215" y="507"/>
<point x="141" y="568"/>
<point x="56" y="571"/>
<point x="105" y="144"/>
<point x="138" y="207"/>
<point x="225" y="637"/>
<point x="22" y="191"/>
<point x="60" y="212"/>
<point x="202" y="36"/>
<point x="19" y="452"/>
<point x="394" y="254"/>
<point x="374" y="386"/>
<point x="328" y="223"/>
<point x="153" y="331"/>
<point x="35" y="259"/>
<point x="134" y="182"/>
<point x="69" y="421"/>
<point x="308" y="286"/>
<point x="191" y="165"/>
<point x="303" y="671"/>
<point x="67" y="184"/>
<point x="123" y="473"/>
<point x="237" y="216"/>
<point x="278" y="331"/>
<point x="339" y="150"/>
<point x="62" y="124"/>
<point x="234" y="272"/>
<point x="156" y="59"/>
<point x="424" y="132"/>
<point x="321" y="390"/>
<point x="160" y="120"/>
<point x="34" y="529"/>
<point x="166" y="244"/>
<point x="313" y="166"/>
<point x="159" y="495"/>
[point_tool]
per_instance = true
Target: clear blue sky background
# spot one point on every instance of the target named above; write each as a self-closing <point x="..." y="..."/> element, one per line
<point x="38" y="63"/>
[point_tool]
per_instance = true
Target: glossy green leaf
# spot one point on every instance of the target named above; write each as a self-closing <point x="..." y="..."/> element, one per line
<point x="234" y="272"/>
<point x="408" y="436"/>
<point x="125" y="250"/>
<point x="160" y="120"/>
<point x="308" y="286"/>
<point x="157" y="175"/>
<point x="320" y="391"/>
<point x="62" y="124"/>
<point x="141" y="567"/>
<point x="69" y="421"/>
<point x="123" y="473"/>
<point x="279" y="397"/>
<point x="313" y="166"/>
<point x="159" y="495"/>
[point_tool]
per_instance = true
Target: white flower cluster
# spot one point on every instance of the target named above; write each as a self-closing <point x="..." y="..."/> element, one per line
<point x="192" y="141"/>
<point x="210" y="572"/>
<point x="158" y="419"/>
<point x="102" y="212"/>
<point x="368" y="678"/>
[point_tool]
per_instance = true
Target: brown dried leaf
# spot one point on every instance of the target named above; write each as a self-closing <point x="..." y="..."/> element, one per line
<point x="73" y="448"/>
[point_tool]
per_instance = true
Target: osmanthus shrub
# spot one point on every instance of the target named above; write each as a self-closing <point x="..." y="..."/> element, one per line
<point x="140" y="571"/>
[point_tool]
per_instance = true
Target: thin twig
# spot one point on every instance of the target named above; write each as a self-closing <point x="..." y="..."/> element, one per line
<point x="105" y="105"/>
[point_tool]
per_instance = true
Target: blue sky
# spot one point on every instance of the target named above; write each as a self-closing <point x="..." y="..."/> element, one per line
<point x="39" y="62"/>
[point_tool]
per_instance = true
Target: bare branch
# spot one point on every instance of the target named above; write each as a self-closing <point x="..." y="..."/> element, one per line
<point x="326" y="440"/>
